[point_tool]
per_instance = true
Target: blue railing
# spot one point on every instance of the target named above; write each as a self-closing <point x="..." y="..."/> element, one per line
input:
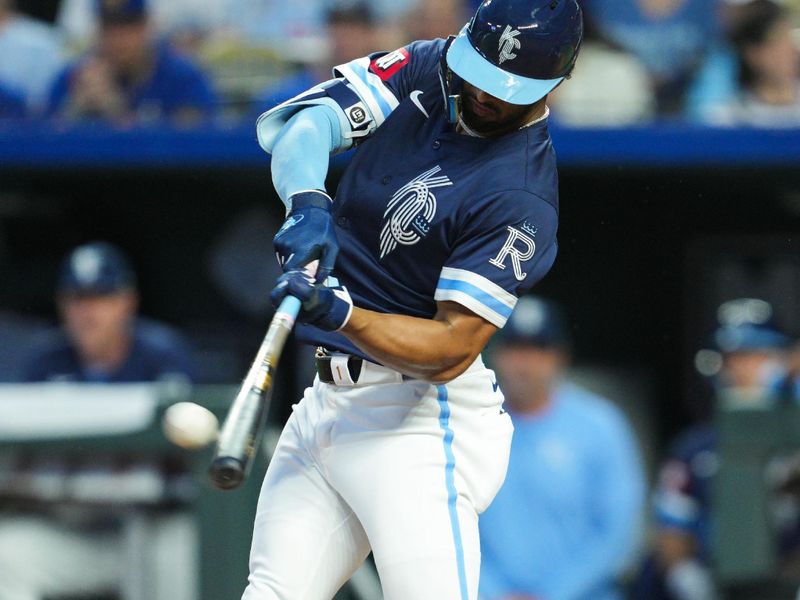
<point x="42" y="147"/>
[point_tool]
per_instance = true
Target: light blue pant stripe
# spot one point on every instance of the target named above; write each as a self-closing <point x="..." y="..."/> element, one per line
<point x="452" y="494"/>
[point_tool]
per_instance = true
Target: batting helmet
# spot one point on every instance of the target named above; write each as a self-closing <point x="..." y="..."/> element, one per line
<point x="518" y="50"/>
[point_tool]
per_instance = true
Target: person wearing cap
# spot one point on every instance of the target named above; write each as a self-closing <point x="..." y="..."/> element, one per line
<point x="747" y="367"/>
<point x="102" y="339"/>
<point x="54" y="546"/>
<point x="128" y="78"/>
<point x="566" y="519"/>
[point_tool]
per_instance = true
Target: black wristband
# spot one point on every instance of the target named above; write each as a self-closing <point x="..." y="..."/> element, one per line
<point x="311" y="198"/>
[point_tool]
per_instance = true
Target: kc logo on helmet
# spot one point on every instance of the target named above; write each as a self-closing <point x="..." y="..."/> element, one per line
<point x="508" y="43"/>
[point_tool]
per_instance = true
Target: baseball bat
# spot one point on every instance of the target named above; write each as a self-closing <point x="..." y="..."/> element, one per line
<point x="244" y="424"/>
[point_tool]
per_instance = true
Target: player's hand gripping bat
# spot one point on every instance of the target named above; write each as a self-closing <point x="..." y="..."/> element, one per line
<point x="241" y="433"/>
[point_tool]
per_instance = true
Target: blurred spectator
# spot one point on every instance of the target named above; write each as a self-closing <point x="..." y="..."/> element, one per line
<point x="294" y="24"/>
<point x="431" y="20"/>
<point x="715" y="82"/>
<point x="102" y="340"/>
<point x="608" y="87"/>
<point x="69" y="542"/>
<point x="767" y="63"/>
<point x="287" y="28"/>
<point x="670" y="37"/>
<point x="351" y="32"/>
<point x="748" y="369"/>
<point x="566" y="519"/>
<point x="12" y="105"/>
<point x="31" y="55"/>
<point x="130" y="79"/>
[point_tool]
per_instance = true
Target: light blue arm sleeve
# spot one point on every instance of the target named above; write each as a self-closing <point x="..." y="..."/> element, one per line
<point x="302" y="150"/>
<point x="619" y="487"/>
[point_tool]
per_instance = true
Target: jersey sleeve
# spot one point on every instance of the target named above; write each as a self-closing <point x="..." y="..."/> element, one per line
<point x="362" y="94"/>
<point x="501" y="252"/>
<point x="384" y="79"/>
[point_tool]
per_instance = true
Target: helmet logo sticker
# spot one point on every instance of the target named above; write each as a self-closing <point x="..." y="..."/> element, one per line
<point x="509" y="43"/>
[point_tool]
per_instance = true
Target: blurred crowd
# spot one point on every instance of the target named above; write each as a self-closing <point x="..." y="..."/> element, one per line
<point x="138" y="62"/>
<point x="577" y="518"/>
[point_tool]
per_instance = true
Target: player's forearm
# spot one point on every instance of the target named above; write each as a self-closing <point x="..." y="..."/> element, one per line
<point x="428" y="349"/>
<point x="302" y="151"/>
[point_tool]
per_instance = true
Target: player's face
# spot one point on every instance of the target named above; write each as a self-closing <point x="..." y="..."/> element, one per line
<point x="750" y="370"/>
<point x="777" y="59"/>
<point x="527" y="373"/>
<point x="96" y="323"/>
<point x="490" y="116"/>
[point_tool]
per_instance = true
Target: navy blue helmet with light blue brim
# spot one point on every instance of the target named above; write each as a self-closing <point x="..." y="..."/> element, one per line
<point x="516" y="50"/>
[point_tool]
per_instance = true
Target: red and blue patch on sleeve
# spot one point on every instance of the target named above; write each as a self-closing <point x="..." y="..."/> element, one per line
<point x="388" y="65"/>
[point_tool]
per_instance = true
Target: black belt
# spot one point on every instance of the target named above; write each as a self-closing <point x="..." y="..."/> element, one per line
<point x="324" y="370"/>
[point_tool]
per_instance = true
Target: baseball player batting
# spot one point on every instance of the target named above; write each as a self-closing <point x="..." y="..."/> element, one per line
<point x="446" y="214"/>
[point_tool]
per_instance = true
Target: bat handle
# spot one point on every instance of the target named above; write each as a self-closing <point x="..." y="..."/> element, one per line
<point x="290" y="306"/>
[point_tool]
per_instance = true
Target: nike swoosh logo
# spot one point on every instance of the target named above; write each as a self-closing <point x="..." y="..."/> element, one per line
<point x="415" y="99"/>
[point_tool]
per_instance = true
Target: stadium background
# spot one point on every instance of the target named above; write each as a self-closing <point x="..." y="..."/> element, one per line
<point x="661" y="220"/>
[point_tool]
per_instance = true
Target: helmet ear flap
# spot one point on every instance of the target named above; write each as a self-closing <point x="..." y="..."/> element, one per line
<point x="451" y="85"/>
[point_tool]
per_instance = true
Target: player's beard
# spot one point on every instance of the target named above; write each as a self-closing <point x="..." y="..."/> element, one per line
<point x="490" y="119"/>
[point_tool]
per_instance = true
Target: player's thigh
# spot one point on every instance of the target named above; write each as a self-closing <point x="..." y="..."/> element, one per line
<point x="419" y="486"/>
<point x="306" y="539"/>
<point x="430" y="556"/>
<point x="422" y="530"/>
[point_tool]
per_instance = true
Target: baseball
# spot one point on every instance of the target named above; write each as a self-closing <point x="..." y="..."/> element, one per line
<point x="190" y="425"/>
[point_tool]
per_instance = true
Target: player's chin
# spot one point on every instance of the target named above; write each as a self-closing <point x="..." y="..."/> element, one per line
<point x="479" y="124"/>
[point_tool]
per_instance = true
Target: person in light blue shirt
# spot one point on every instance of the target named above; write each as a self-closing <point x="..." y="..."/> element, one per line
<point x="31" y="55"/>
<point x="566" y="520"/>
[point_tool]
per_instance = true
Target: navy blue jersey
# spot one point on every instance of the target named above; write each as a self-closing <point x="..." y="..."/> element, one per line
<point x="426" y="214"/>
<point x="156" y="352"/>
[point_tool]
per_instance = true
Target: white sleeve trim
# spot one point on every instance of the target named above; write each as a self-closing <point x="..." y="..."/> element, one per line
<point x="379" y="98"/>
<point x="377" y="83"/>
<point x="479" y="294"/>
<point x="363" y="91"/>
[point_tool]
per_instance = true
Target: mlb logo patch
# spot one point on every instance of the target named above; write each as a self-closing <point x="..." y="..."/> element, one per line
<point x="389" y="64"/>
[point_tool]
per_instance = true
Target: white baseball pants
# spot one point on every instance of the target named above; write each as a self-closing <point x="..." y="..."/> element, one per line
<point x="402" y="468"/>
